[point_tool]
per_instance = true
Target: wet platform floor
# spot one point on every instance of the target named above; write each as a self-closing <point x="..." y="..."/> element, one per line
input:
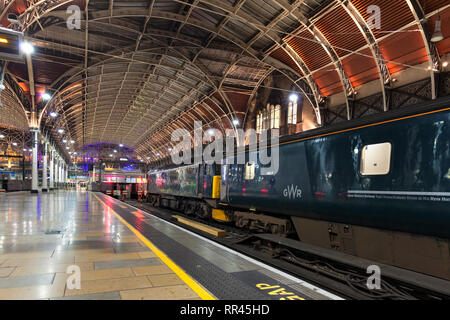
<point x="122" y="253"/>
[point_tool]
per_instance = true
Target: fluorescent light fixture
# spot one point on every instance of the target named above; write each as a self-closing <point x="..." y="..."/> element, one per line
<point x="53" y="114"/>
<point x="14" y="143"/>
<point x="27" y="48"/>
<point x="60" y="130"/>
<point x="24" y="149"/>
<point x="31" y="150"/>
<point x="121" y="145"/>
<point x="123" y="159"/>
<point x="72" y="141"/>
<point x="64" y="141"/>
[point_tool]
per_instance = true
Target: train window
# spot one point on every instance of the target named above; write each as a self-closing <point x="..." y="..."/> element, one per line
<point x="376" y="159"/>
<point x="249" y="171"/>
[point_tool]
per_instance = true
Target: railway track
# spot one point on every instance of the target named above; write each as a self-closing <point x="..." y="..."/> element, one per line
<point x="340" y="273"/>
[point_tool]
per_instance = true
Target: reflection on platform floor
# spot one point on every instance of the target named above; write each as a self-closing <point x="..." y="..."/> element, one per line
<point x="42" y="235"/>
<point x="122" y="253"/>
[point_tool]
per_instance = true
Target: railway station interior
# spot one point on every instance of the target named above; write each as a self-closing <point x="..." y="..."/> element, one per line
<point x="225" y="150"/>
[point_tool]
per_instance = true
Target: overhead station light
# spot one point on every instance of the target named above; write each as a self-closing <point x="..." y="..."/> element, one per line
<point x="293" y="97"/>
<point x="1" y="136"/>
<point x="61" y="131"/>
<point x="121" y="145"/>
<point x="14" y="144"/>
<point x="437" y="35"/>
<point x="123" y="159"/>
<point x="72" y="141"/>
<point x="46" y="96"/>
<point x="235" y="122"/>
<point x="64" y="141"/>
<point x="53" y="114"/>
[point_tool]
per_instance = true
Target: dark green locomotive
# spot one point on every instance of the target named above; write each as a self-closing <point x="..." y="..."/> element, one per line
<point x="376" y="188"/>
<point x="391" y="175"/>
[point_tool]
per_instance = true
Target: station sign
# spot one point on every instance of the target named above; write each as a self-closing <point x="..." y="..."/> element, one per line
<point x="10" y="45"/>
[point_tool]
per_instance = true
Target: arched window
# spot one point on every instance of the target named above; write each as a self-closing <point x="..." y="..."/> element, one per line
<point x="275" y="116"/>
<point x="292" y="112"/>
<point x="268" y="118"/>
<point x="259" y="121"/>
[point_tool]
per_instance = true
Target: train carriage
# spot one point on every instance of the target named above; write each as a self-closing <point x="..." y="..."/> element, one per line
<point x="377" y="188"/>
<point x="193" y="189"/>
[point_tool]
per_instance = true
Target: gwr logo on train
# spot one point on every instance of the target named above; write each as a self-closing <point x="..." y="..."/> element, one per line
<point x="292" y="192"/>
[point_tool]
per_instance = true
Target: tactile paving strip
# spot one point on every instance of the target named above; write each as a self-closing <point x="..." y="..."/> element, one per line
<point x="223" y="285"/>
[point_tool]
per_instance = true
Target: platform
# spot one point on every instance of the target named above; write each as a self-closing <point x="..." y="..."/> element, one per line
<point x="123" y="253"/>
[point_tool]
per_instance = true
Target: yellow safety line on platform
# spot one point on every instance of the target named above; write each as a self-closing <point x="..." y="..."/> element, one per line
<point x="198" y="289"/>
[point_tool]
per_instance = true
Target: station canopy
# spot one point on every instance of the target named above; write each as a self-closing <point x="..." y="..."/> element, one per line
<point x="132" y="72"/>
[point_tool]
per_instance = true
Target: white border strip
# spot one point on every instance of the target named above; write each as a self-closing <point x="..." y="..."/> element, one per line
<point x="281" y="273"/>
<point x="402" y="193"/>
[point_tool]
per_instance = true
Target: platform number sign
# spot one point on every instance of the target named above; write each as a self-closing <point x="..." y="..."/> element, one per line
<point x="10" y="45"/>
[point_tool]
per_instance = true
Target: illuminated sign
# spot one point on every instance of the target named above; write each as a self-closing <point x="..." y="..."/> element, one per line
<point x="10" y="45"/>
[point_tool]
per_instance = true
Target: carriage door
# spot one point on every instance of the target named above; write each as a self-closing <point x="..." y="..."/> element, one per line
<point x="224" y="182"/>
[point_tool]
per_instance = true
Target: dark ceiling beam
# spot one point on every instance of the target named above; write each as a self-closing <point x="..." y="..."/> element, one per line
<point x="366" y="31"/>
<point x="434" y="62"/>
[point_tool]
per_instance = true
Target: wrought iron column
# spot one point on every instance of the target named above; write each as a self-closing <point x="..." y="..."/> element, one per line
<point x="34" y="165"/>
<point x="44" y="169"/>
